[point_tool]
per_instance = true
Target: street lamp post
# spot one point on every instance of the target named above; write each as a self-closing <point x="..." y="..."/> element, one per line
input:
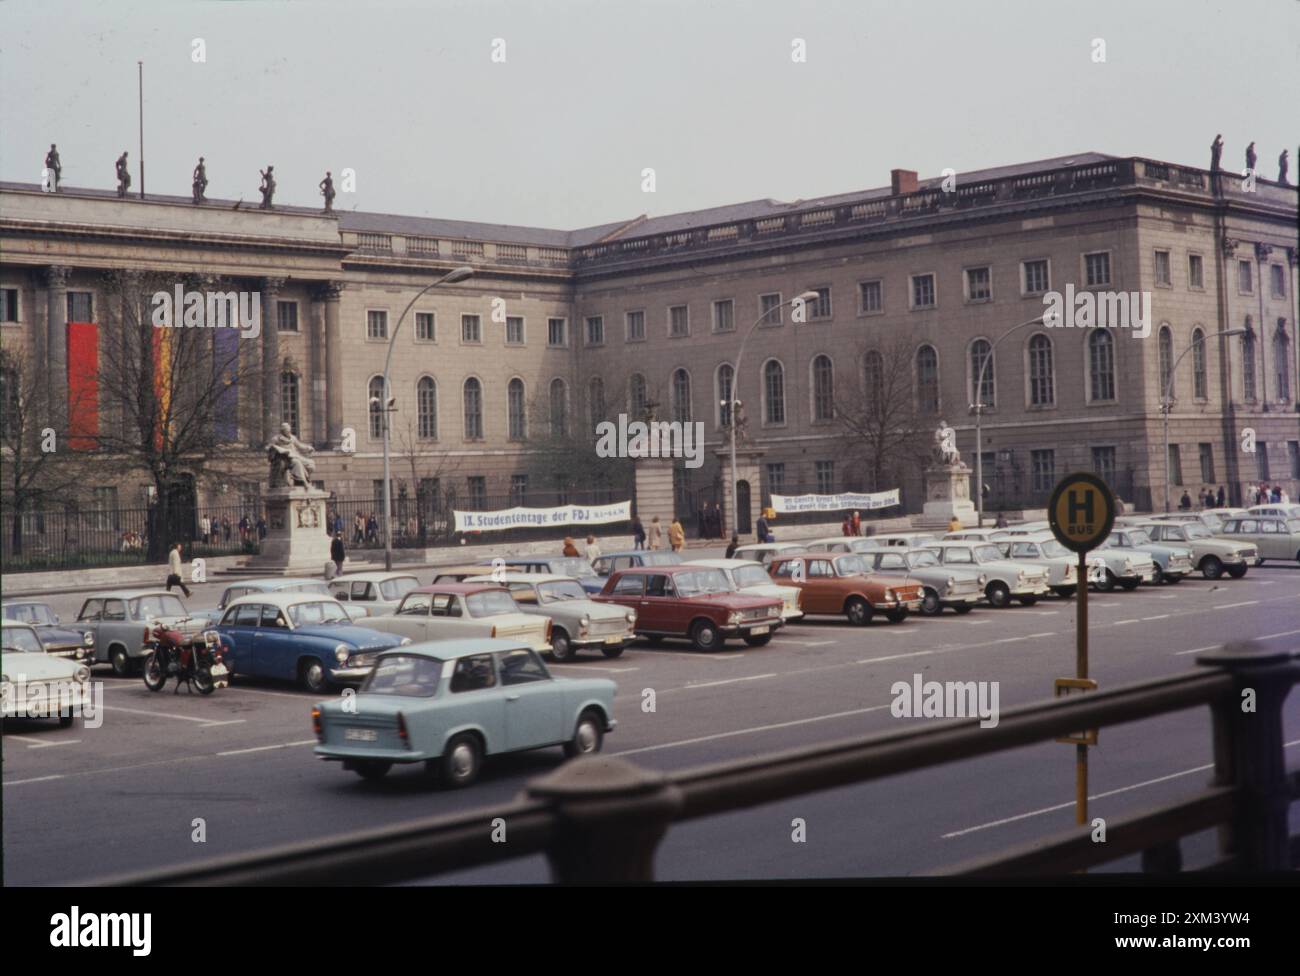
<point x="1168" y="390"/>
<point x="458" y="274"/>
<point x="732" y="402"/>
<point x="978" y="407"/>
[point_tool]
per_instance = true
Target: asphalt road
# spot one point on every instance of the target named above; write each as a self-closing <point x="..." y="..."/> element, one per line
<point x="83" y="803"/>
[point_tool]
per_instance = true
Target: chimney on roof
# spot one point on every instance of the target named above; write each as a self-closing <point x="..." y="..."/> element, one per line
<point x="902" y="181"/>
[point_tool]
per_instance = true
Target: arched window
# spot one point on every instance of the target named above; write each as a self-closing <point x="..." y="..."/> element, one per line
<point x="725" y="375"/>
<point x="1166" y="362"/>
<point x="1248" y="362"/>
<point x="1101" y="366"/>
<point x="981" y="352"/>
<point x="927" y="379"/>
<point x="681" y="405"/>
<point x="1042" y="372"/>
<point x="375" y="400"/>
<point x="1200" y="376"/>
<point x="289" y="386"/>
<point x="823" y="388"/>
<point x="596" y="401"/>
<point x="516" y="413"/>
<point x="473" y="409"/>
<point x="636" y="396"/>
<point x="426" y="405"/>
<point x="773" y="392"/>
<point x="559" y="408"/>
<point x="873" y="383"/>
<point x="1282" y="360"/>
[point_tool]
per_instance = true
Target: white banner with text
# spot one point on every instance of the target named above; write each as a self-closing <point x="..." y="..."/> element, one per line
<point x="539" y="518"/>
<point x="791" y="504"/>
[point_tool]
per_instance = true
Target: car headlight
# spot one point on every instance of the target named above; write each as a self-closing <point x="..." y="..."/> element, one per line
<point x="983" y="580"/>
<point x="889" y="596"/>
<point x="584" y="621"/>
<point x="631" y="616"/>
<point x="81" y="675"/>
<point x="1021" y="577"/>
<point x="341" y="653"/>
<point x="733" y="617"/>
<point x="405" y="641"/>
<point x="1128" y="565"/>
<point x="88" y="637"/>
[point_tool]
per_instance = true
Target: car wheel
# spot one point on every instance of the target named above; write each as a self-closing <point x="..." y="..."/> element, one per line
<point x="963" y="607"/>
<point x="1028" y="601"/>
<point x="1170" y="579"/>
<point x="895" y="616"/>
<point x="758" y="640"/>
<point x="1211" y="567"/>
<point x="858" y="611"/>
<point x="372" y="769"/>
<point x="1237" y="572"/>
<point x="998" y="594"/>
<point x="1064" y="592"/>
<point x="705" y="636"/>
<point x="612" y="651"/>
<point x="1107" y="582"/>
<point x="121" y="662"/>
<point x="588" y="735"/>
<point x="930" y="605"/>
<point x="561" y="646"/>
<point x="312" y="675"/>
<point x="1130" y="584"/>
<point x="461" y="761"/>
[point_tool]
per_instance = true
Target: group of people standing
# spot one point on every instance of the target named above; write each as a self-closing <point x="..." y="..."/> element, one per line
<point x="653" y="538"/>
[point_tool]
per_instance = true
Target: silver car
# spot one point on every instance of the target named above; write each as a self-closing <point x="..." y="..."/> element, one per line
<point x="577" y="621"/>
<point x="1006" y="579"/>
<point x="941" y="586"/>
<point x="1042" y="549"/>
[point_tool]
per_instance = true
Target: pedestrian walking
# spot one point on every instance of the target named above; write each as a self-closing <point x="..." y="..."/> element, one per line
<point x="205" y="529"/>
<point x="857" y="523"/>
<point x="261" y="527"/>
<point x="656" y="534"/>
<point x="593" y="549"/>
<point x="761" y="531"/>
<point x="846" y="527"/>
<point x="703" y="520"/>
<point x="1219" y="498"/>
<point x="336" y="551"/>
<point x="954" y="524"/>
<point x="676" y="536"/>
<point x="638" y="533"/>
<point x="225" y="529"/>
<point x="174" y="570"/>
<point x="358" y="530"/>
<point x="1185" y="503"/>
<point x="735" y="542"/>
<point x="569" y="548"/>
<point x="243" y="528"/>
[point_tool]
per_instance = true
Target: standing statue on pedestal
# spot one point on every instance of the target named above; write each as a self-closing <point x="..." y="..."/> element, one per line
<point x="327" y="191"/>
<point x="1283" y="164"/>
<point x="199" y="182"/>
<point x="54" y="166"/>
<point x="1251" y="158"/>
<point x="945" y="446"/>
<point x="1216" y="153"/>
<point x="123" y="175"/>
<point x="290" y="464"/>
<point x="267" y="189"/>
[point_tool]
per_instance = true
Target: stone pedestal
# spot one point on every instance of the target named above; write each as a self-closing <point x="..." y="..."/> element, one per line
<point x="296" y="542"/>
<point x="654" y="493"/>
<point x="947" y="494"/>
<point x="749" y="488"/>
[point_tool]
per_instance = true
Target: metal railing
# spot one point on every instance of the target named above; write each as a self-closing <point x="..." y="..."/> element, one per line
<point x="600" y="819"/>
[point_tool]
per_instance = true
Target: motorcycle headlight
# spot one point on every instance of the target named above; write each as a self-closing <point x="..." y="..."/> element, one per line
<point x="341" y="653"/>
<point x="88" y="637"/>
<point x="81" y="675"/>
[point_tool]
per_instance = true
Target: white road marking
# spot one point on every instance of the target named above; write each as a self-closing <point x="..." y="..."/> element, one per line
<point x="38" y="779"/>
<point x="179" y="718"/>
<point x="1010" y="640"/>
<point x="48" y="745"/>
<point x="1285" y="633"/>
<point x="23" y="738"/>
<point x="693" y="656"/>
<point x="1229" y="606"/>
<point x="1197" y="650"/>
<point x="1121" y="623"/>
<point x="592" y="667"/>
<point x="730" y="681"/>
<point x="760" y="728"/>
<point x="1159" y="616"/>
<point x="281" y="745"/>
<point x="808" y="643"/>
<point x="892" y="657"/>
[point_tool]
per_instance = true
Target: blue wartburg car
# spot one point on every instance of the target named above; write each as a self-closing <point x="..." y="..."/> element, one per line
<point x="450" y="703"/>
<point x="300" y="637"/>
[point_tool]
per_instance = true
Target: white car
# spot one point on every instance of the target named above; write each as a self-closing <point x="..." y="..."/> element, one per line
<point x="577" y="621"/>
<point x="1006" y="579"/>
<point x="1275" y="510"/>
<point x="908" y="540"/>
<point x="378" y="593"/>
<point x="764" y="552"/>
<point x="1042" y="549"/>
<point x="35" y="684"/>
<point x="748" y="577"/>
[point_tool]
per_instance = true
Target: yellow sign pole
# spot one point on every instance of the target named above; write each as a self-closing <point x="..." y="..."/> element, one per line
<point x="1081" y="667"/>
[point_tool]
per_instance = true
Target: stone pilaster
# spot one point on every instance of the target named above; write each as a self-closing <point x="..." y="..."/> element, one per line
<point x="329" y="295"/>
<point x="56" y="346"/>
<point x="271" y="412"/>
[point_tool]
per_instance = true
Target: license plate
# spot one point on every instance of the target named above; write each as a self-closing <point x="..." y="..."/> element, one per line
<point x="758" y="630"/>
<point x="219" y="671"/>
<point x="360" y="735"/>
<point x="613" y="640"/>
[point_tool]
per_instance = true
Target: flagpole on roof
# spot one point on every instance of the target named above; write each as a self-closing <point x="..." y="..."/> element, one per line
<point x="140" y="87"/>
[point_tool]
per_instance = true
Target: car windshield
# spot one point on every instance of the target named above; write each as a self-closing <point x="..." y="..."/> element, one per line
<point x="920" y="560"/>
<point x="1213" y="521"/>
<point x="159" y="605"/>
<point x="558" y="591"/>
<point x="21" y="640"/>
<point x="318" y="612"/>
<point x="1174" y="532"/>
<point x="987" y="554"/>
<point x="574" y="566"/>
<point x="1136" y="537"/>
<point x="30" y="613"/>
<point x="697" y="581"/>
<point x="660" y="559"/>
<point x="1195" y="531"/>
<point x="1024" y="550"/>
<point x="488" y="602"/>
<point x="750" y="576"/>
<point x="851" y="565"/>
<point x="404" y="675"/>
<point x="395" y="589"/>
<point x="1054" y="549"/>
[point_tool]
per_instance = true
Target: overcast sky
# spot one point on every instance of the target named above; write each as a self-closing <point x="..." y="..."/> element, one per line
<point x="592" y="92"/>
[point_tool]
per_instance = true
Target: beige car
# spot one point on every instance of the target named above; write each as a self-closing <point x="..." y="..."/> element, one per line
<point x="1275" y="537"/>
<point x="749" y="578"/>
<point x="446" y="611"/>
<point x="1213" y="555"/>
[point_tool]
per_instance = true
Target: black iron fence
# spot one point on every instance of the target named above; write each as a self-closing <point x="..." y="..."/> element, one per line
<point x="600" y="819"/>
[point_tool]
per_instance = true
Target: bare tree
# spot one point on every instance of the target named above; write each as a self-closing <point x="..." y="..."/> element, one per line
<point x="563" y="435"/>
<point x="424" y="463"/>
<point x="882" y="424"/>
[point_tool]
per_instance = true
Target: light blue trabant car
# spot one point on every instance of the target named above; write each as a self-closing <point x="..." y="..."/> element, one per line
<point x="450" y="703"/>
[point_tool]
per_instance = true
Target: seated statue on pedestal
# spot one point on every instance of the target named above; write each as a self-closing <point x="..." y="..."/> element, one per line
<point x="290" y="464"/>
<point x="945" y="446"/>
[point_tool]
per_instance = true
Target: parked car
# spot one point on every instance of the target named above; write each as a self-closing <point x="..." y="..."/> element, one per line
<point x="941" y="586"/>
<point x="378" y="593"/>
<point x="692" y="602"/>
<point x="1173" y="562"/>
<point x="748" y="577"/>
<point x="972" y="534"/>
<point x="299" y="637"/>
<point x="841" y="584"/>
<point x="764" y="552"/>
<point x="120" y="622"/>
<point x="449" y="704"/>
<point x="1213" y="556"/>
<point x="36" y="684"/>
<point x="1273" y="536"/>
<point x="577" y="621"/>
<point x="73" y="643"/>
<point x="611" y="562"/>
<point x="1200" y="516"/>
<point x="908" y="540"/>
<point x="575" y="566"/>
<point x="459" y="574"/>
<point x="846" y="543"/>
<point x="1114" y="565"/>
<point x="1275" y="509"/>
<point x="274" y="584"/>
<point x="453" y="610"/>
<point x="1042" y="549"/>
<point x="1005" y="579"/>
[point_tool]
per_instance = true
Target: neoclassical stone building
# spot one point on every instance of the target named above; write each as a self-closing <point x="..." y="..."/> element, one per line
<point x="564" y="327"/>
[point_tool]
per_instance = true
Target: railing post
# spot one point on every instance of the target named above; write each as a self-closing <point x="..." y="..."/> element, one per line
<point x="612" y="815"/>
<point x="1249" y="755"/>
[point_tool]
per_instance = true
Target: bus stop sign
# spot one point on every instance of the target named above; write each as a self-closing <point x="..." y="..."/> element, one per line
<point x="1081" y="512"/>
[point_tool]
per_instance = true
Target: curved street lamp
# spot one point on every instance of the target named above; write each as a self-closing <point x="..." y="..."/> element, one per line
<point x="388" y="406"/>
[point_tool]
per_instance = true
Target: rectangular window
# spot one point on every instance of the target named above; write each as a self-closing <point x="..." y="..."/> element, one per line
<point x="1175" y="465"/>
<point x="979" y="284"/>
<point x="596" y="330"/>
<point x="679" y="322"/>
<point x="518" y="490"/>
<point x="289" y="401"/>
<point x="1278" y="277"/>
<point x="286" y="316"/>
<point x="871" y="298"/>
<point x="1293" y="449"/>
<point x="1207" y="463"/>
<point x="825" y="477"/>
<point x="1163" y="274"/>
<point x="376" y="324"/>
<point x="8" y="304"/>
<point x="1096" y="269"/>
<point x="1037" y="279"/>
<point x="724" y="315"/>
<point x="471" y="329"/>
<point x="429" y="492"/>
<point x="1103" y="464"/>
<point x="556" y="332"/>
<point x="769" y="307"/>
<point x="1261" y="461"/>
<point x="923" y="291"/>
<point x="81" y="306"/>
<point x="1245" y="278"/>
<point x="776" y="478"/>
<point x="514" y="330"/>
<point x="477" y="485"/>
<point x="821" y="309"/>
<point x="1042" y="465"/>
<point x="105" y="513"/>
<point x="426" y="327"/>
<point x="635" y="322"/>
<point x="1195" y="271"/>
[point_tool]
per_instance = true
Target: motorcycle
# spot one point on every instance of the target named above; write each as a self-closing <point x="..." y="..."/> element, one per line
<point x="195" y="663"/>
